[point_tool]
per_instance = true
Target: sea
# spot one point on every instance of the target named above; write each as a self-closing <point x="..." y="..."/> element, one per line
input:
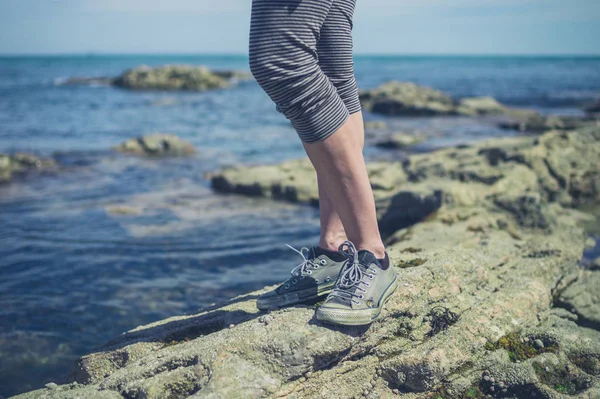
<point x="110" y="242"/>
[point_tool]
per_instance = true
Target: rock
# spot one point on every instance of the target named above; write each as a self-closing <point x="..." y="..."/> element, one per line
<point x="406" y="99"/>
<point x="51" y="385"/>
<point x="172" y="77"/>
<point x="583" y="298"/>
<point x="593" y="108"/>
<point x="519" y="175"/>
<point x="156" y="144"/>
<point x="23" y="163"/>
<point x="375" y="125"/>
<point x="400" y="140"/>
<point x="541" y="123"/>
<point x="538" y="343"/>
<point x="480" y="106"/>
<point x="479" y="285"/>
<point x="167" y="77"/>
<point x="409" y="99"/>
<point x="406" y="208"/>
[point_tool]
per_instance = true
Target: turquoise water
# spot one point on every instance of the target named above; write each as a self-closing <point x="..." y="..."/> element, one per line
<point x="75" y="271"/>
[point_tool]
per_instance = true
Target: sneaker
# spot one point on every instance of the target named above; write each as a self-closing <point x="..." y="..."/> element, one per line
<point x="361" y="290"/>
<point x="314" y="277"/>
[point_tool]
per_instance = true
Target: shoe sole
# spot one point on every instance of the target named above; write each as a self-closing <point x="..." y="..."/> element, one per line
<point x="293" y="298"/>
<point x="356" y="317"/>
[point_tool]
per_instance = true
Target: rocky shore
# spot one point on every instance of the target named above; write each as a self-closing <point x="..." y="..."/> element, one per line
<point x="167" y="77"/>
<point x="492" y="302"/>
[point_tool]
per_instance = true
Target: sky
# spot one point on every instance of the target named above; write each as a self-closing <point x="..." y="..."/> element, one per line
<point x="221" y="26"/>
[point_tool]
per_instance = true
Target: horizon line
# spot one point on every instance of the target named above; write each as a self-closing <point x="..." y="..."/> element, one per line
<point x="233" y="54"/>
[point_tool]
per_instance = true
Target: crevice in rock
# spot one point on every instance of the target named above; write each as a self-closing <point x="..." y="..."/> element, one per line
<point x="559" y="179"/>
<point x="328" y="361"/>
<point x="582" y="321"/>
<point x="174" y="364"/>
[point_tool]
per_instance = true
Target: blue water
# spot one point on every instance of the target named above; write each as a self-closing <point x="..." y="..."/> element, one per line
<point x="111" y="242"/>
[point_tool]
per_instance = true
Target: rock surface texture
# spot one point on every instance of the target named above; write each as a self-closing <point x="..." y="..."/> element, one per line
<point x="156" y="145"/>
<point x="167" y="77"/>
<point x="492" y="301"/>
<point x="22" y="163"/>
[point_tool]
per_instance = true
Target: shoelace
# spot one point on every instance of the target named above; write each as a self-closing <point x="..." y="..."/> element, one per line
<point x="302" y="268"/>
<point x="352" y="275"/>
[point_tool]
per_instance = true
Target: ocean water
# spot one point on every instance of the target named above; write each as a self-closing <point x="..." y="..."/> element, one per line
<point x="111" y="242"/>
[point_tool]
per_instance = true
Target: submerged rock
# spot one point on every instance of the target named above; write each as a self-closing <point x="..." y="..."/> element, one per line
<point x="475" y="313"/>
<point x="156" y="144"/>
<point x="22" y="163"/>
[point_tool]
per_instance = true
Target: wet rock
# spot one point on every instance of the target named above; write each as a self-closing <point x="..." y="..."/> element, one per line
<point x="156" y="145"/>
<point x="23" y="163"/>
<point x="400" y="140"/>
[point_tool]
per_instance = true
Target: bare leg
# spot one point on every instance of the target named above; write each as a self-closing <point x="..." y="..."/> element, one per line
<point x="342" y="174"/>
<point x="332" y="229"/>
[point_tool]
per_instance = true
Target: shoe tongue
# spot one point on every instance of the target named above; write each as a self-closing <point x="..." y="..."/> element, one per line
<point x="365" y="258"/>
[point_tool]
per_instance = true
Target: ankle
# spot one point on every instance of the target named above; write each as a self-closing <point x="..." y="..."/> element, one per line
<point x="378" y="250"/>
<point x="331" y="243"/>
